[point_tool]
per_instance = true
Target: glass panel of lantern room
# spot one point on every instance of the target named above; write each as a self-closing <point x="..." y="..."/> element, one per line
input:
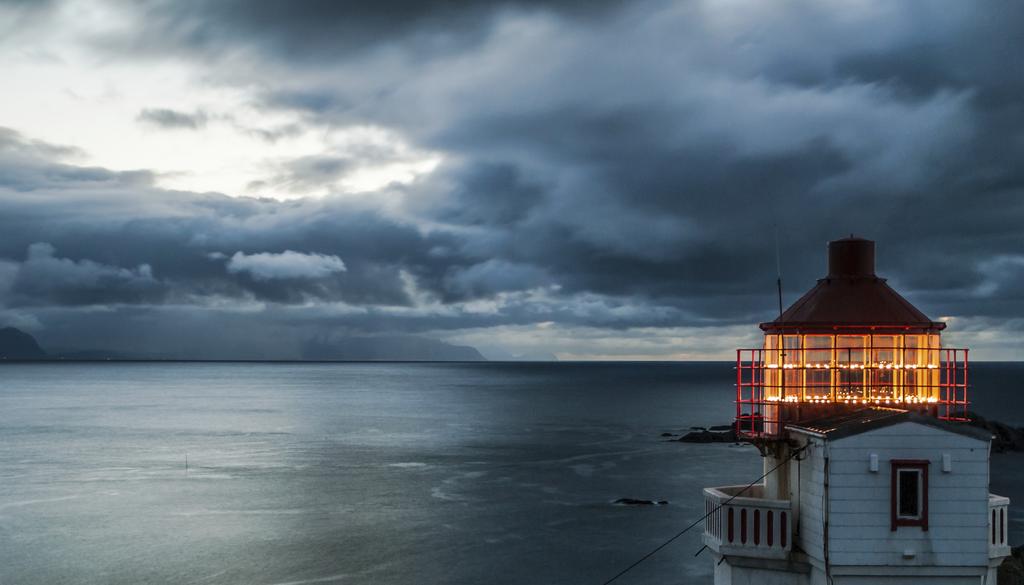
<point x="915" y="367"/>
<point x="850" y="354"/>
<point x="791" y="350"/>
<point x="817" y="367"/>
<point x="882" y="372"/>
<point x="772" y="361"/>
<point x="885" y="349"/>
<point x="934" y="352"/>
<point x="792" y="362"/>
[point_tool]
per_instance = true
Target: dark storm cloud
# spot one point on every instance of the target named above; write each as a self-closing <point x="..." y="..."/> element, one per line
<point x="132" y="245"/>
<point x="627" y="167"/>
<point x="13" y="144"/>
<point x="325" y="29"/>
<point x="631" y="192"/>
<point x="172" y="119"/>
<point x="307" y="173"/>
<point x="31" y="165"/>
<point x="276" y="133"/>
<point x="47" y="279"/>
<point x="103" y="223"/>
<point x="483" y="194"/>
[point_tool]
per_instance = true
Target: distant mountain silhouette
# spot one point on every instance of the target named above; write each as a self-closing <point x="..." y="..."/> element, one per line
<point x="389" y="348"/>
<point x="15" y="344"/>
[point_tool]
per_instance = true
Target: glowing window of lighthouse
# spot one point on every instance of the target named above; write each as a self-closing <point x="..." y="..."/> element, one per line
<point x="792" y="359"/>
<point x="850" y="363"/>
<point x="920" y="367"/>
<point x="877" y="369"/>
<point x="818" y="367"/>
<point x="883" y="373"/>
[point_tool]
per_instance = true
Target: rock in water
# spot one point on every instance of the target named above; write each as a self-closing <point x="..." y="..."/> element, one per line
<point x="635" y="502"/>
<point x="1005" y="437"/>
<point x="727" y="436"/>
<point x="1011" y="572"/>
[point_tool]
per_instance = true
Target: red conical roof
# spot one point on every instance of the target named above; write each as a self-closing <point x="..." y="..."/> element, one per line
<point x="851" y="297"/>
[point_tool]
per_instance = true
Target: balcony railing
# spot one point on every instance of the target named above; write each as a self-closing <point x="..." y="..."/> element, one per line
<point x="774" y="388"/>
<point x="747" y="525"/>
<point x="998" y="533"/>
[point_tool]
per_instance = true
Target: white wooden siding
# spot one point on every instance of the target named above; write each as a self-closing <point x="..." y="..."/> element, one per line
<point x="811" y="484"/>
<point x="859" y="500"/>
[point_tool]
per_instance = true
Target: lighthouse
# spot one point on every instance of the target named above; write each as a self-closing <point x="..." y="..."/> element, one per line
<point x="871" y="474"/>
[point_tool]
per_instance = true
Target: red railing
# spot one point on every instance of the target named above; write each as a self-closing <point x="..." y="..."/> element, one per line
<point x="773" y="388"/>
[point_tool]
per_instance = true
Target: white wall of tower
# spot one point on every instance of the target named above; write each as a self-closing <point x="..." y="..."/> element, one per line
<point x="852" y="503"/>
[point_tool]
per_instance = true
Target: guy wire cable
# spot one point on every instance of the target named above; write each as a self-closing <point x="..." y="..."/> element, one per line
<point x="704" y="517"/>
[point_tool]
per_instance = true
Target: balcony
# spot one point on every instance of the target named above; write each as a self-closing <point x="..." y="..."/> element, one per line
<point x="998" y="516"/>
<point x="747" y="525"/>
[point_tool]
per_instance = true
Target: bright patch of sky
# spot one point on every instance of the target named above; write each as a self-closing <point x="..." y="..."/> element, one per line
<point x="62" y="92"/>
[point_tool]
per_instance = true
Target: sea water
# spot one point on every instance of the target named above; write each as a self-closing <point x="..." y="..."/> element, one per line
<point x="269" y="473"/>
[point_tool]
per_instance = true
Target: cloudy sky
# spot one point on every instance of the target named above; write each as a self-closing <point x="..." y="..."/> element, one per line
<point x="578" y="178"/>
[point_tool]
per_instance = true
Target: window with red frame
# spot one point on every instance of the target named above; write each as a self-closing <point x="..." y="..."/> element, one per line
<point x="909" y="493"/>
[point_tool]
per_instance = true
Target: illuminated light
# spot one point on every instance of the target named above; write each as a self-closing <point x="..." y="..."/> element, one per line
<point x="773" y="366"/>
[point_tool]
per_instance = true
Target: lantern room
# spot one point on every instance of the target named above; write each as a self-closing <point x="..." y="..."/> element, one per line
<point x="850" y="342"/>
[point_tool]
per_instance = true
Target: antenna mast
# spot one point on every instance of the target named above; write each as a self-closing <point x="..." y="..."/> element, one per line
<point x="778" y="269"/>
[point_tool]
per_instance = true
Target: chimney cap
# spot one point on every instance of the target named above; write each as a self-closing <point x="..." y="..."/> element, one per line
<point x="851" y="257"/>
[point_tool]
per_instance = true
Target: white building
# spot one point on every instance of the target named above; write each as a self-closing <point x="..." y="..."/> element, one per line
<point x="871" y="474"/>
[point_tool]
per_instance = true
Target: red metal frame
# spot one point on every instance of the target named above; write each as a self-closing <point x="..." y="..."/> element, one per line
<point x="763" y="406"/>
<point x="919" y="465"/>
